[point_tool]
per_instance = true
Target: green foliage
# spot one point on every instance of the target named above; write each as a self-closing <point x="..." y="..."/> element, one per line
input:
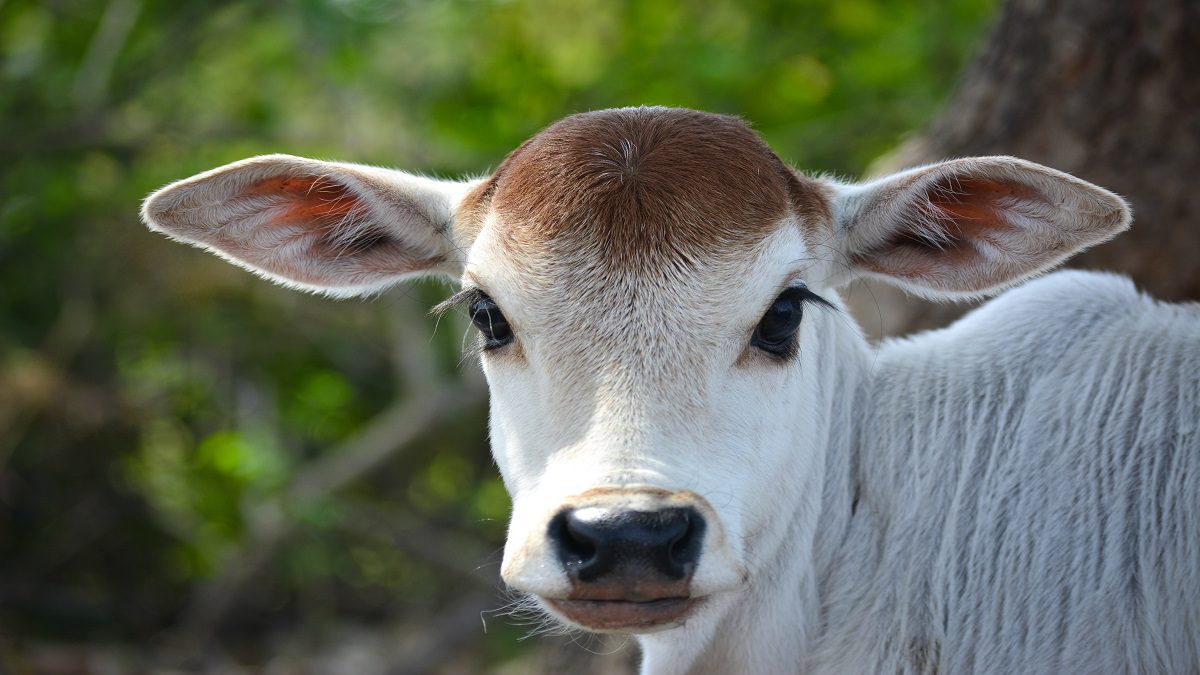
<point x="155" y="402"/>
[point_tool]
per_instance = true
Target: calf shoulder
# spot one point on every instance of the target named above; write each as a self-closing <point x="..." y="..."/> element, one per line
<point x="1031" y="480"/>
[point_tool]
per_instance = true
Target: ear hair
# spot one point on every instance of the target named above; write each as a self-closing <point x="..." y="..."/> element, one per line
<point x="969" y="227"/>
<point x="335" y="228"/>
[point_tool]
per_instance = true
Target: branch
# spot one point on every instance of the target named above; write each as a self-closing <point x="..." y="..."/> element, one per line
<point x="384" y="438"/>
<point x="92" y="79"/>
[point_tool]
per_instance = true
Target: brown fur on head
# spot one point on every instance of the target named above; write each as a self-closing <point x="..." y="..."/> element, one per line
<point x="638" y="184"/>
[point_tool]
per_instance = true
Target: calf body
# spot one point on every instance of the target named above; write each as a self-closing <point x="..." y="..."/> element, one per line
<point x="704" y="451"/>
<point x="1016" y="493"/>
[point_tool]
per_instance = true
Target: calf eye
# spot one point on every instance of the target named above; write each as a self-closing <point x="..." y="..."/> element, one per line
<point x="776" y="331"/>
<point x="491" y="322"/>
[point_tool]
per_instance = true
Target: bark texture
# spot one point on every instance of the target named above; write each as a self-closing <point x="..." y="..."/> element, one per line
<point x="1106" y="90"/>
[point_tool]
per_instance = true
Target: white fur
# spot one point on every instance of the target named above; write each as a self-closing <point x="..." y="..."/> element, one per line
<point x="1019" y="492"/>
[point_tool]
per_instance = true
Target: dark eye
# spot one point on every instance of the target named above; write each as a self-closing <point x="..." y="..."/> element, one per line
<point x="776" y="331"/>
<point x="491" y="322"/>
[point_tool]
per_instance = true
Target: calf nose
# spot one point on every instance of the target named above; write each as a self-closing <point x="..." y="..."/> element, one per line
<point x="601" y="545"/>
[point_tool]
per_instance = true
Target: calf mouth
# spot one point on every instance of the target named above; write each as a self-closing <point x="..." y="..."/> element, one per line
<point x="625" y="616"/>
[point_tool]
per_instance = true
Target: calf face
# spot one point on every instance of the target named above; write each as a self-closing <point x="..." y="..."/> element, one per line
<point x="658" y="326"/>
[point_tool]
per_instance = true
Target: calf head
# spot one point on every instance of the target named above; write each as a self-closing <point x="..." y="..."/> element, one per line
<point x="654" y="292"/>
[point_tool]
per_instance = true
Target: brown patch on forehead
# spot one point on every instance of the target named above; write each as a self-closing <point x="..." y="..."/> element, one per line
<point x="640" y="183"/>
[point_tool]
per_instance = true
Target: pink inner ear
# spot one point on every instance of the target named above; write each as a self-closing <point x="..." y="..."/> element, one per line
<point x="343" y="244"/>
<point x="979" y="201"/>
<point x="307" y="198"/>
<point x="940" y="240"/>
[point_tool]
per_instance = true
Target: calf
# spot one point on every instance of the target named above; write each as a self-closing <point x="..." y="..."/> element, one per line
<point x="703" y="450"/>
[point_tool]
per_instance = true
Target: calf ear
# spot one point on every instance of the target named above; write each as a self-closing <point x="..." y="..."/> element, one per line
<point x="967" y="227"/>
<point x="339" y="229"/>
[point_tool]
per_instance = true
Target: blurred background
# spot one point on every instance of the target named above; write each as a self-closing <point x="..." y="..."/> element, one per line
<point x="203" y="473"/>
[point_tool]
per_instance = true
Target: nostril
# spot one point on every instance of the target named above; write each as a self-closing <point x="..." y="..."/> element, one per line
<point x="576" y="545"/>
<point x="578" y="541"/>
<point x="680" y="546"/>
<point x="683" y="550"/>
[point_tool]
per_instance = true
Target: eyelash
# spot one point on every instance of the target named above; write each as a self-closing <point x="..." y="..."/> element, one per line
<point x="492" y="325"/>
<point x="494" y="329"/>
<point x="791" y="303"/>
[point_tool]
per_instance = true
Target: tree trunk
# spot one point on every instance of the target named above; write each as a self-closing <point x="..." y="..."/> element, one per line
<point x="1106" y="90"/>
